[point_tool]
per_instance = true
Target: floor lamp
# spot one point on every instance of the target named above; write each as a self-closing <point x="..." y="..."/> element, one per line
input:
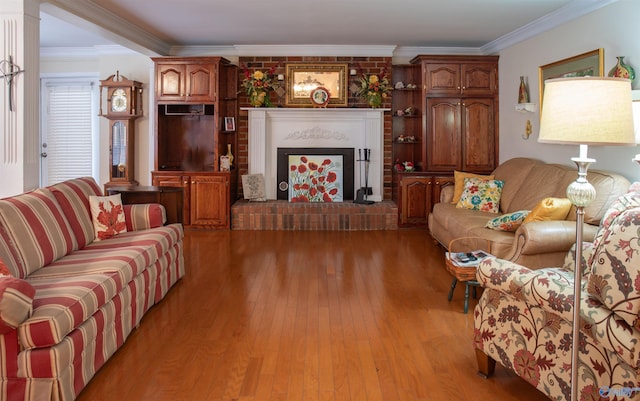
<point x="585" y="111"/>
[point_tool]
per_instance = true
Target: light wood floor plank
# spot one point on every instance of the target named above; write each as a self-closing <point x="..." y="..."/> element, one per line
<point x="305" y="316"/>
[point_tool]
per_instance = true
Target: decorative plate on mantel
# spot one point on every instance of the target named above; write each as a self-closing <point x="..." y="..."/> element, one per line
<point x="320" y="97"/>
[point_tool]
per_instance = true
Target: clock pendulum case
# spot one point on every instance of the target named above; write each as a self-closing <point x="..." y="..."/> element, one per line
<point x="123" y="100"/>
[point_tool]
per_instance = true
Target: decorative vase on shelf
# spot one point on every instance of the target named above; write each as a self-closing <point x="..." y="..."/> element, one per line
<point x="523" y="92"/>
<point x="229" y="155"/>
<point x="622" y="70"/>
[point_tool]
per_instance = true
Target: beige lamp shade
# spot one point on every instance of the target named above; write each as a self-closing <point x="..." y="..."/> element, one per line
<point x="587" y="111"/>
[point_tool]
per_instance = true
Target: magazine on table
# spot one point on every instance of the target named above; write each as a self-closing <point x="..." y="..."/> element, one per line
<point x="467" y="259"/>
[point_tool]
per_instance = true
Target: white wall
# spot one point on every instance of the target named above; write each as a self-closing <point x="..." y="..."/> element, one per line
<point x="613" y="28"/>
<point x="133" y="66"/>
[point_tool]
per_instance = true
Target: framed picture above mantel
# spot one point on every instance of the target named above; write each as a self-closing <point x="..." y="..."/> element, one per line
<point x="303" y="78"/>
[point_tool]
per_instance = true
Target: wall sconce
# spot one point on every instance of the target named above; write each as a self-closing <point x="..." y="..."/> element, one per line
<point x="527" y="130"/>
<point x="280" y="77"/>
<point x="353" y="72"/>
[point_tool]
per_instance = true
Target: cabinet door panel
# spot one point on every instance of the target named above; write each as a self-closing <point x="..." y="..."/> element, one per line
<point x="479" y="135"/>
<point x="478" y="79"/>
<point x="416" y="200"/>
<point x="201" y="82"/>
<point x="442" y="79"/>
<point x="443" y="146"/>
<point x="209" y="201"/>
<point x="170" y="81"/>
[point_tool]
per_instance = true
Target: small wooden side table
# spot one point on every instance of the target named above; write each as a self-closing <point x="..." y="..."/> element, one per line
<point x="465" y="274"/>
<point x="169" y="197"/>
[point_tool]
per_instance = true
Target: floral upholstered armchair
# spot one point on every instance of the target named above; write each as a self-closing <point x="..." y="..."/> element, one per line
<point x="524" y="318"/>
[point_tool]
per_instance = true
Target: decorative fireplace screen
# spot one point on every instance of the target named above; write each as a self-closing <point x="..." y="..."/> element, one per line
<point x="315" y="174"/>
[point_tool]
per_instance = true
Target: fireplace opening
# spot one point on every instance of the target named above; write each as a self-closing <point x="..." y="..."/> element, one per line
<point x="315" y="174"/>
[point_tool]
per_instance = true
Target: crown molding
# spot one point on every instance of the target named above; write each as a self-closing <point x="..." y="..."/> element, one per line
<point x="94" y="18"/>
<point x="316" y="50"/>
<point x="564" y="14"/>
<point x="84" y="52"/>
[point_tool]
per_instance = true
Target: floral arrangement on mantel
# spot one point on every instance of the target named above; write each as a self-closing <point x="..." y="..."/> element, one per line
<point x="374" y="88"/>
<point x="258" y="85"/>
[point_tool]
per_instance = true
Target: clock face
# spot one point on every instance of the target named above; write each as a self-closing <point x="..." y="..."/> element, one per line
<point x="119" y="100"/>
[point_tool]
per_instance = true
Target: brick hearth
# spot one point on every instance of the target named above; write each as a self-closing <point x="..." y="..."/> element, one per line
<point x="283" y="215"/>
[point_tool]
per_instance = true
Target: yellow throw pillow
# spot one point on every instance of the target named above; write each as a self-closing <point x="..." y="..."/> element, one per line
<point x="550" y="209"/>
<point x="459" y="177"/>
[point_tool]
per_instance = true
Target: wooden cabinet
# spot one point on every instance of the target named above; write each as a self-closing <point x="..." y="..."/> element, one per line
<point x="205" y="196"/>
<point x="460" y="134"/>
<point x="186" y="80"/>
<point x="416" y="194"/>
<point x="460" y="78"/>
<point x="460" y="118"/>
<point x="194" y="96"/>
<point x="454" y="125"/>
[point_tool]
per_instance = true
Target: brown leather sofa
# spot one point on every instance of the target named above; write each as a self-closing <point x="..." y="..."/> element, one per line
<point x="526" y="182"/>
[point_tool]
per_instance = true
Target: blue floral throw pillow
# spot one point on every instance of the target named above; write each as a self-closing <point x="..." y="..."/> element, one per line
<point x="479" y="194"/>
<point x="508" y="222"/>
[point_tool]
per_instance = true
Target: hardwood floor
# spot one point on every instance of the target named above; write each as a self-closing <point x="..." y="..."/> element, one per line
<point x="282" y="315"/>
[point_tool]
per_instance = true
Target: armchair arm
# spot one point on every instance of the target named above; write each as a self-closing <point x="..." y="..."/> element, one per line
<point x="538" y="237"/>
<point x="144" y="216"/>
<point x="550" y="288"/>
<point x="16" y="302"/>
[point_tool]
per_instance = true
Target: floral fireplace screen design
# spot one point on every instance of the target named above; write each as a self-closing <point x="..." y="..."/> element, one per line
<point x="315" y="174"/>
<point x="316" y="178"/>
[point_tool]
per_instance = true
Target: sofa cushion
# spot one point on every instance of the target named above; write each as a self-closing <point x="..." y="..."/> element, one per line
<point x="73" y="288"/>
<point x="10" y="255"/>
<point x="513" y="172"/>
<point x="480" y="194"/>
<point x="73" y="197"/>
<point x="37" y="227"/>
<point x="550" y="209"/>
<point x="508" y="222"/>
<point x="107" y="214"/>
<point x="458" y="182"/>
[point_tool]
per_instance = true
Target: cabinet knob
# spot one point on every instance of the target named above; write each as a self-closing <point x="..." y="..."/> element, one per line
<point x="185" y="182"/>
<point x="193" y="182"/>
<point x="458" y="88"/>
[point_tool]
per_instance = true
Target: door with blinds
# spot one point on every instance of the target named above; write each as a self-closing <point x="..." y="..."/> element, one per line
<point x="69" y="129"/>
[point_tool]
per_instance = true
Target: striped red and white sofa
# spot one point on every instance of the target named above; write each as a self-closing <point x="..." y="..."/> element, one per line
<point x="68" y="302"/>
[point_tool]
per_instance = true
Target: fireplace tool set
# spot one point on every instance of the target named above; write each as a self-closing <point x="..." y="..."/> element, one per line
<point x="362" y="194"/>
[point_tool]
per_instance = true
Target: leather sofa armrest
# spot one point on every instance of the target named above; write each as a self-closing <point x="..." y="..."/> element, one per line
<point x="446" y="193"/>
<point x="539" y="237"/>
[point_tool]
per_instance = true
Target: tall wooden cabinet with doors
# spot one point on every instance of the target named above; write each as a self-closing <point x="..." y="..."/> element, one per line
<point x="194" y="95"/>
<point x="458" y="113"/>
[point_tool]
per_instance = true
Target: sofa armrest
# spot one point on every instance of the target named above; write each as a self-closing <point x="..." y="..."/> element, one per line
<point x="144" y="216"/>
<point x="538" y="237"/>
<point x="446" y="193"/>
<point x="16" y="302"/>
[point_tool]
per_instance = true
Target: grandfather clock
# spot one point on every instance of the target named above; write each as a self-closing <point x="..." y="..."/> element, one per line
<point x="123" y="100"/>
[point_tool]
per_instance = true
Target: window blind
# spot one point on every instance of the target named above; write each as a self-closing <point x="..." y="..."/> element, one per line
<point x="68" y="125"/>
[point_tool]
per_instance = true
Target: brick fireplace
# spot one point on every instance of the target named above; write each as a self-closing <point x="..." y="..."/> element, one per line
<point x="283" y="215"/>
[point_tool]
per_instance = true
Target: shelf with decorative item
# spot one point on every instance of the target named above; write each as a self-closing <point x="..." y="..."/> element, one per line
<point x="527" y="107"/>
<point x="407" y="139"/>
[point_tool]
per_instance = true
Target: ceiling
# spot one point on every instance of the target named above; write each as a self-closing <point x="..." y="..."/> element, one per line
<point x="408" y="23"/>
